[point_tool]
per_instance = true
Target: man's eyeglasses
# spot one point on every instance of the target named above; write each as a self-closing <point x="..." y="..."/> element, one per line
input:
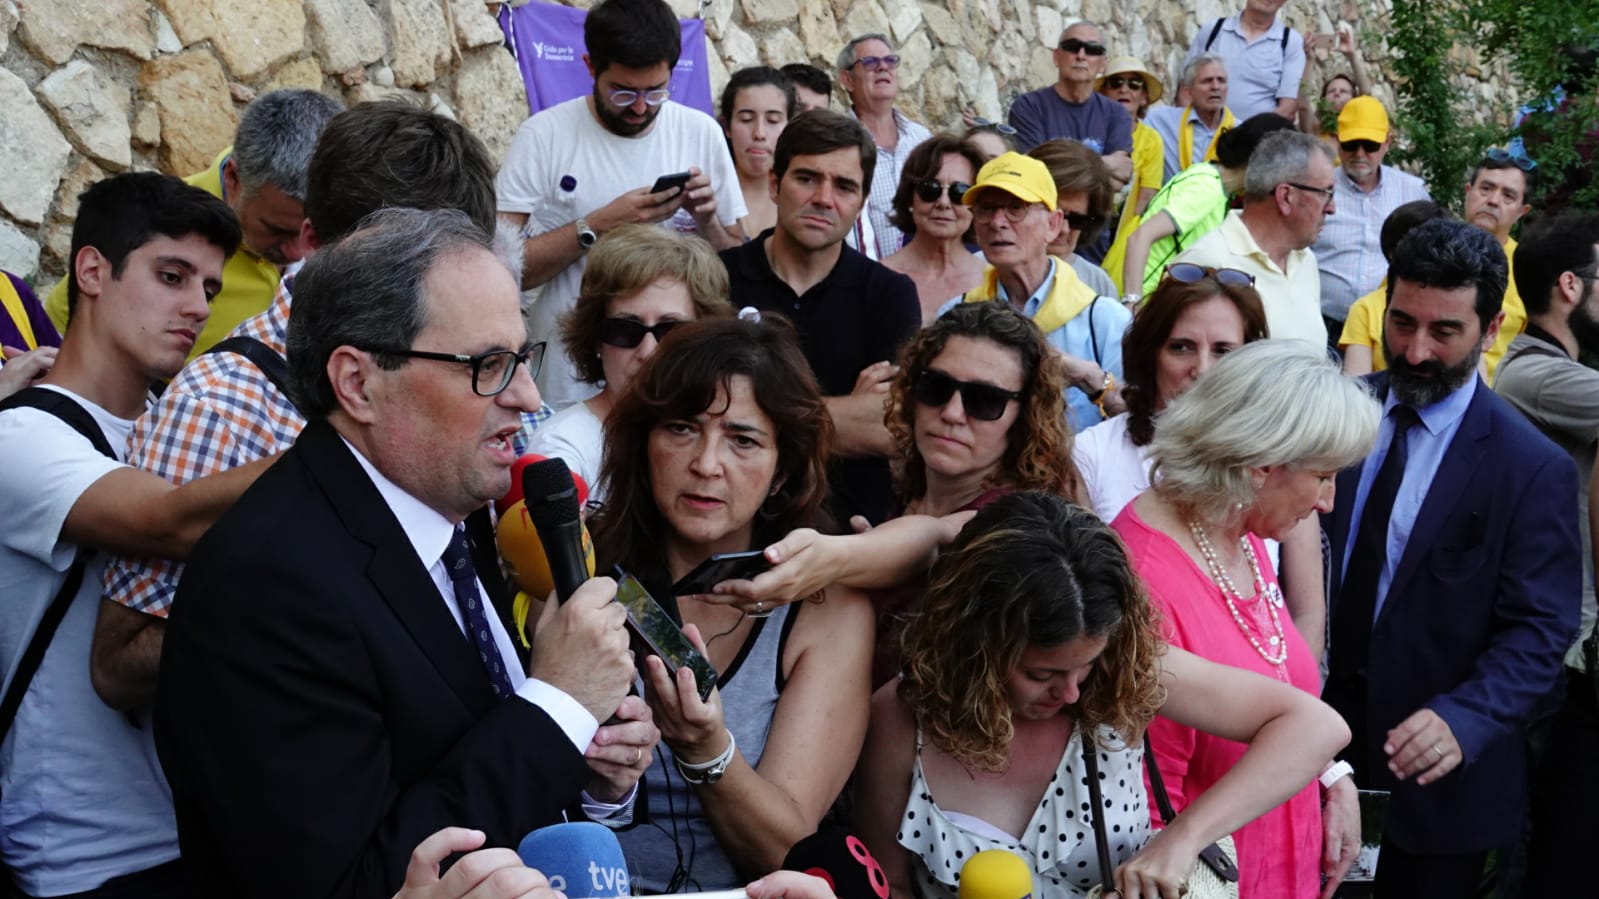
<point x="491" y="371"/>
<point x="1077" y="221"/>
<point x="873" y="63"/>
<point x="1500" y="156"/>
<point x="1015" y="210"/>
<point x="1368" y="147"/>
<point x="1117" y="82"/>
<point x="929" y="190"/>
<point x="1189" y="273"/>
<point x="1073" y="45"/>
<point x="996" y="127"/>
<point x="625" y="98"/>
<point x="627" y="333"/>
<point x="984" y="402"/>
<point x="1327" y="193"/>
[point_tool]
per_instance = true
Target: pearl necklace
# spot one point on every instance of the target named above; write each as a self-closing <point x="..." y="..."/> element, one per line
<point x="1278" y="654"/>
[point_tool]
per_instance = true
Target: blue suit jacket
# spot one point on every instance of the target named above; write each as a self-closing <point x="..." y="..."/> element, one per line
<point x="1483" y="604"/>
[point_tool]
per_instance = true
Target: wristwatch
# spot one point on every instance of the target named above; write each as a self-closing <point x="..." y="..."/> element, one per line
<point x="585" y="235"/>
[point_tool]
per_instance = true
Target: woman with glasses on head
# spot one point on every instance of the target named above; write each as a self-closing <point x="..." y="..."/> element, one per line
<point x="640" y="282"/>
<point x="936" y="224"/>
<point x="1129" y="82"/>
<point x="990" y="138"/>
<point x="1249" y="453"/>
<point x="1034" y="654"/>
<point x="756" y="104"/>
<point x="1084" y="194"/>
<point x="721" y="446"/>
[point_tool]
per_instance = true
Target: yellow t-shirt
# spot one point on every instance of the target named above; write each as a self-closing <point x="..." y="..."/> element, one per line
<point x="1515" y="316"/>
<point x="1149" y="170"/>
<point x="248" y="282"/>
<point x="1363" y="327"/>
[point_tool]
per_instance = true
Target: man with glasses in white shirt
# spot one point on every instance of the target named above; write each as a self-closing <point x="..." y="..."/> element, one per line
<point x="583" y="167"/>
<point x="868" y="70"/>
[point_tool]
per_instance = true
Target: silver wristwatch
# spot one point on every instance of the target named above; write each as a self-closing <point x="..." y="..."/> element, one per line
<point x="698" y="773"/>
<point x="585" y="235"/>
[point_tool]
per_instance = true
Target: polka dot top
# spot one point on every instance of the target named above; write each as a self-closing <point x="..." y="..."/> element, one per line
<point x="1059" y="842"/>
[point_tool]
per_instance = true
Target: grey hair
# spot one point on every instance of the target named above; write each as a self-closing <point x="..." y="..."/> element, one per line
<point x="276" y="137"/>
<point x="1191" y="68"/>
<point x="366" y="291"/>
<point x="1267" y="403"/>
<point x="1073" y="23"/>
<point x="846" y="56"/>
<point x="1281" y="157"/>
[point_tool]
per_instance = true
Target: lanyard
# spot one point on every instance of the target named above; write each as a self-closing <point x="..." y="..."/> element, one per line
<point x="1185" y="138"/>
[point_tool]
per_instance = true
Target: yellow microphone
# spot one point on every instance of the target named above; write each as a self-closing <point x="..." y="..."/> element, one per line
<point x="996" y="874"/>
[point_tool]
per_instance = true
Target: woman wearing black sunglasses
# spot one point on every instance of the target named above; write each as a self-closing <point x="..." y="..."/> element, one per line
<point x="640" y="283"/>
<point x="936" y="224"/>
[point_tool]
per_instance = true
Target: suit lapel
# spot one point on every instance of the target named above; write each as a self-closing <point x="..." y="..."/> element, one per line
<point x="394" y="569"/>
<point x="1336" y="523"/>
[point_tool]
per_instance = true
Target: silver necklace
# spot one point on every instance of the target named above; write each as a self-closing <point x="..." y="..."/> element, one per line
<point x="1278" y="652"/>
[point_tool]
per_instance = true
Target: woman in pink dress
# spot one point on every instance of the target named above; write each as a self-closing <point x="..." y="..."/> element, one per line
<point x="1249" y="452"/>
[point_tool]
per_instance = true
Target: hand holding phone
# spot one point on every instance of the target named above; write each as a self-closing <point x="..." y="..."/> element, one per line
<point x="670" y="182"/>
<point x="721" y="567"/>
<point x="661" y="635"/>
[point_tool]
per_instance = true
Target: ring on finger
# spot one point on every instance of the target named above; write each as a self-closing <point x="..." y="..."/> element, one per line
<point x="1438" y="752"/>
<point x="637" y="754"/>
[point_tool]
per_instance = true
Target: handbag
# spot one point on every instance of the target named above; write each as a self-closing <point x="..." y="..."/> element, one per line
<point x="1214" y="877"/>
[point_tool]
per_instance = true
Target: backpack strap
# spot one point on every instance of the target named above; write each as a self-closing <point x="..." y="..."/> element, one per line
<point x="268" y="360"/>
<point x="1284" y="44"/>
<point x="76" y="417"/>
<point x="1214" y="30"/>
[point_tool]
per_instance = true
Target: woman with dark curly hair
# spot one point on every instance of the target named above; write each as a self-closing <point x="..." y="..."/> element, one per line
<point x="720" y="446"/>
<point x="1034" y="641"/>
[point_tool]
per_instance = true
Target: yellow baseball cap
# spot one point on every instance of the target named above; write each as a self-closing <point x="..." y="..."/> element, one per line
<point x="1020" y="176"/>
<point x="1132" y="65"/>
<point x="1363" y="118"/>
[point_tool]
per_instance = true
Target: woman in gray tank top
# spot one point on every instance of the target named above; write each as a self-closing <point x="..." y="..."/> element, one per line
<point x="721" y="446"/>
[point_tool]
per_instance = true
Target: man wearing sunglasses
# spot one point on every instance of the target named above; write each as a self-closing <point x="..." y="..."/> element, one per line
<point x="1496" y="199"/>
<point x="586" y="166"/>
<point x="868" y="70"/>
<point x="1349" y="250"/>
<point x="1288" y="191"/>
<point x="1071" y="108"/>
<point x="1265" y="58"/>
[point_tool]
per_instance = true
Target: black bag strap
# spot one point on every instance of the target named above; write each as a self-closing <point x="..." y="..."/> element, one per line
<point x="1214" y="30"/>
<point x="1107" y="871"/>
<point x="269" y="361"/>
<point x="1093" y="337"/>
<point x="1212" y="856"/>
<point x="76" y="417"/>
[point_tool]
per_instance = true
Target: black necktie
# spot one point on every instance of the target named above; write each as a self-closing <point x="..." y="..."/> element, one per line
<point x="463" y="578"/>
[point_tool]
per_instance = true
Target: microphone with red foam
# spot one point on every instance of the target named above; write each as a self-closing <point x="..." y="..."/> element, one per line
<point x="540" y="531"/>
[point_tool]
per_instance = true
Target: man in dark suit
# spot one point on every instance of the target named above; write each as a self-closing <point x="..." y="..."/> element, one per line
<point x="1456" y="575"/>
<point x="335" y="683"/>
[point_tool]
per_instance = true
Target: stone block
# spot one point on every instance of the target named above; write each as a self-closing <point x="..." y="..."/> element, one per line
<point x="1050" y="25"/>
<point x="19" y="253"/>
<point x="251" y="38"/>
<point x="903" y="20"/>
<point x="490" y="98"/>
<point x="9" y="16"/>
<point x="1021" y="15"/>
<point x="717" y="14"/>
<point x="146" y="125"/>
<point x="1098" y="12"/>
<point x="764" y="12"/>
<point x="52" y="29"/>
<point x="33" y="153"/>
<point x="419" y="41"/>
<point x="781" y="48"/>
<point x="346" y="33"/>
<point x="166" y="40"/>
<point x="819" y="30"/>
<point x="93" y="111"/>
<point x="1040" y="69"/>
<point x="716" y="70"/>
<point x="475" y="26"/>
<point x="197" y="117"/>
<point x="864" y="17"/>
<point x="914" y="58"/>
<point x="941" y="25"/>
<point x="738" y="48"/>
<point x="300" y="73"/>
<point x="79" y="176"/>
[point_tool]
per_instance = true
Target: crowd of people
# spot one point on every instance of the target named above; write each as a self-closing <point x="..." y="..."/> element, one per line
<point x="1150" y="490"/>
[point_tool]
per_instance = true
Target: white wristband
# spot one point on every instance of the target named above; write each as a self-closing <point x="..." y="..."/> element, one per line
<point x="1335" y="772"/>
<point x="723" y="758"/>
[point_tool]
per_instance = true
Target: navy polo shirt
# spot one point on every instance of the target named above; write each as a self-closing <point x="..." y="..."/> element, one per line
<point x="861" y="313"/>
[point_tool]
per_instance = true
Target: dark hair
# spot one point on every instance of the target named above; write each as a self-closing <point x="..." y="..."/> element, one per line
<point x="1448" y="254"/>
<point x="124" y="212"/>
<point x="820" y="131"/>
<point x="923" y="164"/>
<point x="1153" y="325"/>
<point x="755" y="76"/>
<point x="635" y="34"/>
<point x="1030" y="569"/>
<point x="1551" y="247"/>
<point x="1234" y="148"/>
<point x="1528" y="179"/>
<point x="368" y="291"/>
<point x="813" y="77"/>
<point x="1354" y="89"/>
<point x="1038" y="449"/>
<point x="682" y="380"/>
<point x="1009" y="140"/>
<point x="391" y="153"/>
<point x="1076" y="168"/>
<point x="1405" y="217"/>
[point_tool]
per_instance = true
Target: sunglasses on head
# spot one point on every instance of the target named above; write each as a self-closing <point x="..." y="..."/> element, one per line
<point x="997" y="127"/>
<point x="1073" y="45"/>
<point x="984" y="402"/>
<point x="1521" y="161"/>
<point x="1189" y="273"/>
<point x="1117" y="82"/>
<point x="1367" y="146"/>
<point x="1077" y="221"/>
<point x="929" y="190"/>
<point x="627" y="333"/>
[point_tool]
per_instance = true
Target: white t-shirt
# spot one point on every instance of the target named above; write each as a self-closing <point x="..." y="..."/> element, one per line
<point x="82" y="796"/>
<point x="1114" y="471"/>
<point x="576" y="436"/>
<point x="563" y="164"/>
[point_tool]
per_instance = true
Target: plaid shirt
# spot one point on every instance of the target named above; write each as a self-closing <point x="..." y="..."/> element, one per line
<point x="219" y="413"/>
<point x="885" y="182"/>
<point x="1348" y="250"/>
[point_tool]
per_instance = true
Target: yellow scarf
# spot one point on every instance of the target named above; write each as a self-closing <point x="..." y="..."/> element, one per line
<point x="11" y="301"/>
<point x="1185" y="138"/>
<point x="1067" y="297"/>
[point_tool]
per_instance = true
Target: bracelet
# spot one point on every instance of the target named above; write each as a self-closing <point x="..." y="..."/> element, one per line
<point x="711" y="770"/>
<point x="1335" y="772"/>
<point x="1104" y="391"/>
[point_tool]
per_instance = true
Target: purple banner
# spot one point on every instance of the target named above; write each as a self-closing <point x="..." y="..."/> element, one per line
<point x="547" y="40"/>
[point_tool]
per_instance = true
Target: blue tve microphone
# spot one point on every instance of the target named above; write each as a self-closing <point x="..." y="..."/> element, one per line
<point x="581" y="859"/>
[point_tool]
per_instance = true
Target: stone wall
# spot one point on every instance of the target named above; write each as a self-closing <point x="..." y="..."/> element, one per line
<point x="93" y="87"/>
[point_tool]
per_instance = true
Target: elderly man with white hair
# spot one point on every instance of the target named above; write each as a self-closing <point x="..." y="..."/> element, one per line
<point x="868" y="70"/>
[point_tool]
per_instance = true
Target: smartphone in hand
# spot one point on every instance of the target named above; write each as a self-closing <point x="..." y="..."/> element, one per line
<point x="721" y="567"/>
<point x="667" y="182"/>
<point x="661" y="635"/>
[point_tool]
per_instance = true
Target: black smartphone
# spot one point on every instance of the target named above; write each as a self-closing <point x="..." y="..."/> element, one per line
<point x="667" y="182"/>
<point x="719" y="568"/>
<point x="661" y="635"/>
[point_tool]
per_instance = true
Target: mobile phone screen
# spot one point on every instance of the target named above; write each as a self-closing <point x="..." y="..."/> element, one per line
<point x="660" y="633"/>
<point x="667" y="182"/>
